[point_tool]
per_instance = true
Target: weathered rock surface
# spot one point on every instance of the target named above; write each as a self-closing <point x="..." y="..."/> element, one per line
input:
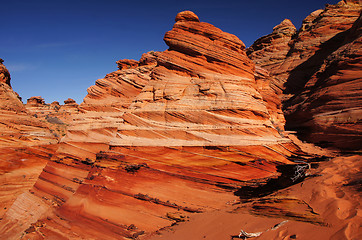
<point x="4" y="73"/>
<point x="127" y="64"/>
<point x="270" y="51"/>
<point x="175" y="133"/>
<point x="9" y="100"/>
<point x="38" y="100"/>
<point x="37" y="106"/>
<point x="56" y="116"/>
<point x="117" y="90"/>
<point x="329" y="109"/>
<point x="26" y="144"/>
<point x="316" y="42"/>
<point x="320" y="75"/>
<point x="322" y="207"/>
<point x="197" y="128"/>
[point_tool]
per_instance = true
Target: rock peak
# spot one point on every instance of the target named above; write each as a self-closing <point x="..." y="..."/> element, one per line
<point x="187" y="16"/>
<point x="69" y="101"/>
<point x="36" y="100"/>
<point x="4" y="73"/>
<point x="286" y="22"/>
<point x="286" y="27"/>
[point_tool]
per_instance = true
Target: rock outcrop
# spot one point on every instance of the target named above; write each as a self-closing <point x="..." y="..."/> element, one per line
<point x="4" y="73"/>
<point x="177" y="132"/>
<point x="329" y="109"/>
<point x="199" y="127"/>
<point x="285" y="52"/>
<point x="9" y="100"/>
<point x="270" y="51"/>
<point x="70" y="108"/>
<point x="319" y="78"/>
<point x="272" y="101"/>
<point x="127" y="64"/>
<point x="56" y="116"/>
<point x="26" y="143"/>
<point x="116" y="91"/>
<point x="38" y="100"/>
<point x="322" y="207"/>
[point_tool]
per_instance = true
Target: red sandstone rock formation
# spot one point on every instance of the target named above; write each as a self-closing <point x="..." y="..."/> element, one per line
<point x="320" y="73"/>
<point x="56" y="116"/>
<point x="69" y="109"/>
<point x="330" y="198"/>
<point x="264" y="83"/>
<point x="38" y="100"/>
<point x="4" y="73"/>
<point x="176" y="133"/>
<point x="127" y="64"/>
<point x="117" y="90"/>
<point x="9" y="100"/>
<point x="70" y="101"/>
<point x="270" y="51"/>
<point x="25" y="145"/>
<point x="37" y="107"/>
<point x="329" y="109"/>
<point x="284" y="50"/>
<point x="190" y="130"/>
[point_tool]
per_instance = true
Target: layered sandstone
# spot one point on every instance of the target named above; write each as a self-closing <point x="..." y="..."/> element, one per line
<point x="116" y="90"/>
<point x="17" y="126"/>
<point x="26" y="144"/>
<point x="297" y="55"/>
<point x="270" y="51"/>
<point x="316" y="42"/>
<point x="322" y="207"/>
<point x="199" y="127"/>
<point x="4" y="73"/>
<point x="319" y="75"/>
<point x="329" y="109"/>
<point x="37" y="106"/>
<point x="56" y="116"/>
<point x="273" y="103"/>
<point x="175" y="133"/>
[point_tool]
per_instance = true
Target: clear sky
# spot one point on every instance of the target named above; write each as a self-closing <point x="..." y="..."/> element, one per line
<point x="58" y="48"/>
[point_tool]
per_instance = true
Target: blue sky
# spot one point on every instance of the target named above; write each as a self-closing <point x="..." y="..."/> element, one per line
<point x="57" y="49"/>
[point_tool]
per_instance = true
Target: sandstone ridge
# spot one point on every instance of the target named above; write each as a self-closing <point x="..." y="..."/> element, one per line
<point x="197" y="120"/>
<point x="317" y="72"/>
<point x="25" y="144"/>
<point x="199" y="128"/>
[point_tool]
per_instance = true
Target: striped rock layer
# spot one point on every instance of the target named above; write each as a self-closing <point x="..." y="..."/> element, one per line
<point x="25" y="144"/>
<point x="175" y="133"/>
<point x="317" y="71"/>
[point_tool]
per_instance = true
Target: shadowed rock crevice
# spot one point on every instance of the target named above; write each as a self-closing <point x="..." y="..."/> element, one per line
<point x="289" y="175"/>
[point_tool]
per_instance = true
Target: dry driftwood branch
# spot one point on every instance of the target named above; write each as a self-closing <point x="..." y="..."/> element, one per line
<point x="249" y="235"/>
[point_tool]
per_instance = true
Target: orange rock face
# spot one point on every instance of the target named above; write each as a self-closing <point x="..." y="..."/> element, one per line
<point x="319" y="72"/>
<point x="322" y="207"/>
<point x="56" y="116"/>
<point x="4" y="73"/>
<point x="177" y="132"/>
<point x="270" y="51"/>
<point x="197" y="128"/>
<point x="35" y="101"/>
<point x="25" y="145"/>
<point x="117" y="90"/>
<point x="329" y="108"/>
